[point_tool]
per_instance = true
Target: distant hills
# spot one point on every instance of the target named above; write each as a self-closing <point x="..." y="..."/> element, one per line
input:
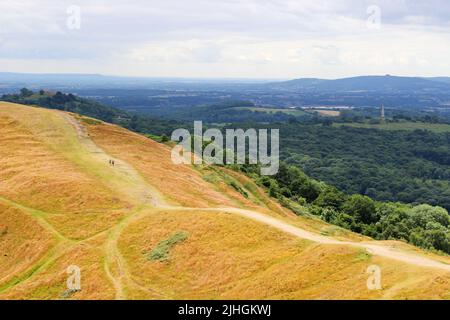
<point x="71" y="81"/>
<point x="385" y="83"/>
<point x="368" y="84"/>
<point x="441" y="79"/>
<point x="144" y="94"/>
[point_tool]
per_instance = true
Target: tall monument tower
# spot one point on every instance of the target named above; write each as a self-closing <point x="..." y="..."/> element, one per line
<point x="383" y="115"/>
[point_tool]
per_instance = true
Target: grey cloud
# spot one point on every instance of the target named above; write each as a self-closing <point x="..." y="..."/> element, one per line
<point x="139" y="20"/>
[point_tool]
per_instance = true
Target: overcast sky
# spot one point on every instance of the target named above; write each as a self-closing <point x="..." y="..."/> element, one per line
<point x="226" y="38"/>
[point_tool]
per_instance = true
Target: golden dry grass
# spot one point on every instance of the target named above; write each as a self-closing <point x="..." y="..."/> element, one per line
<point x="22" y="242"/>
<point x="61" y="204"/>
<point x="181" y="184"/>
<point x="229" y="257"/>
<point x="50" y="283"/>
<point x="36" y="169"/>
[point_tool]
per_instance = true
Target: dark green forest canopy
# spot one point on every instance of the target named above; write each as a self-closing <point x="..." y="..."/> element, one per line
<point x="406" y="166"/>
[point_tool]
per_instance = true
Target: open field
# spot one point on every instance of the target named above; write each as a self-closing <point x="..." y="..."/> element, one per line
<point x="326" y="113"/>
<point x="293" y="112"/>
<point x="148" y="229"/>
<point x="438" y="128"/>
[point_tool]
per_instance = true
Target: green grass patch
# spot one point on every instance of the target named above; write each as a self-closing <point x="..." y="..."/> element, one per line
<point x="217" y="175"/>
<point x="211" y="178"/>
<point x="292" y="205"/>
<point x="160" y="139"/>
<point x="153" y="137"/>
<point x="251" y="187"/>
<point x="90" y="121"/>
<point x="238" y="188"/>
<point x="363" y="255"/>
<point x="162" y="250"/>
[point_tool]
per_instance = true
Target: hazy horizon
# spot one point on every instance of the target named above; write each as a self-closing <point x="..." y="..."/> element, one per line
<point x="217" y="78"/>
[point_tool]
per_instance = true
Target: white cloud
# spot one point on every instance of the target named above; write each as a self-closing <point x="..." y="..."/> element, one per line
<point x="235" y="38"/>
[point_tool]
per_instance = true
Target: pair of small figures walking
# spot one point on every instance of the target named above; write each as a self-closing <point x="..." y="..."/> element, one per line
<point x="112" y="163"/>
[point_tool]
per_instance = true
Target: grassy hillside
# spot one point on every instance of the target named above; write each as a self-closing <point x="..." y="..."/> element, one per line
<point x="62" y="204"/>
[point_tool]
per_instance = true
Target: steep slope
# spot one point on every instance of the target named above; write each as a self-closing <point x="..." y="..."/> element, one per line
<point x="367" y="83"/>
<point x="147" y="229"/>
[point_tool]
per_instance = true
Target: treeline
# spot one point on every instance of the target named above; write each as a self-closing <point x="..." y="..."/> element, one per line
<point x="422" y="225"/>
<point x="226" y="112"/>
<point x="400" y="166"/>
<point x="91" y="108"/>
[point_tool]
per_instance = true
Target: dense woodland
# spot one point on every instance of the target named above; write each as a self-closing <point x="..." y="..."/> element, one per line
<point x="406" y="166"/>
<point x="225" y="112"/>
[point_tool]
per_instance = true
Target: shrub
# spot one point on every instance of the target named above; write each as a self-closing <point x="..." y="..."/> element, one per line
<point x="421" y="215"/>
<point x="331" y="198"/>
<point x="162" y="250"/>
<point x="362" y="208"/>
